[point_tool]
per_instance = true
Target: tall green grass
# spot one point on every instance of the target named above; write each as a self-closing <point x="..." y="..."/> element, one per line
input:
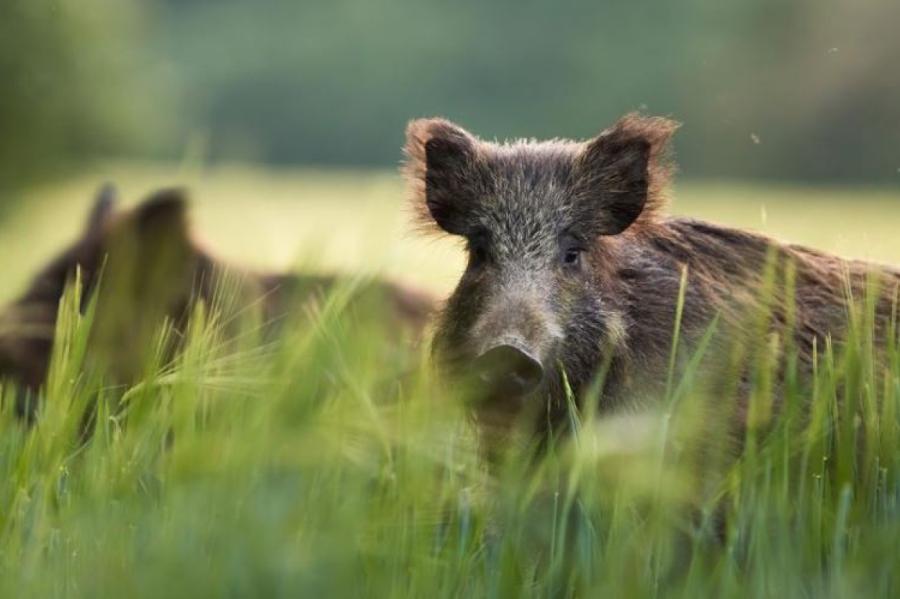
<point x="327" y="462"/>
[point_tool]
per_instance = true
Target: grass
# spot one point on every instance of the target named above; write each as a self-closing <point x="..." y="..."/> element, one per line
<point x="312" y="466"/>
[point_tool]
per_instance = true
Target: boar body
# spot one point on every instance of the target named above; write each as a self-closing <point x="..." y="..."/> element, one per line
<point x="152" y="271"/>
<point x="575" y="273"/>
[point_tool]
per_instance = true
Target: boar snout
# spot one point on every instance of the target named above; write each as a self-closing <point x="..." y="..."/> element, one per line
<point x="508" y="370"/>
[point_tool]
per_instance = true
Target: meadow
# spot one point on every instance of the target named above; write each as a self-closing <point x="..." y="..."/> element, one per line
<point x="321" y="465"/>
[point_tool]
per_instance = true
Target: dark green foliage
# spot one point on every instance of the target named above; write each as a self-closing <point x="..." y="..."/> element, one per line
<point x="74" y="87"/>
<point x="767" y="90"/>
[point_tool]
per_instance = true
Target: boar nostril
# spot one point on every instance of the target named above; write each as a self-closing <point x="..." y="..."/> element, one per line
<point x="508" y="369"/>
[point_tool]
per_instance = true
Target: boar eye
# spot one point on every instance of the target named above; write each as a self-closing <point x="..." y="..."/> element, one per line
<point x="572" y="257"/>
<point x="571" y="250"/>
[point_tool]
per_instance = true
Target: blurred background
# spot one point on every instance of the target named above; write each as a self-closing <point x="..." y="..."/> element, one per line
<point x="286" y="118"/>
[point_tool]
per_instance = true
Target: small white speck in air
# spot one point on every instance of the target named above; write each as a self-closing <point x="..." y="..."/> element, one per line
<point x="755" y="138"/>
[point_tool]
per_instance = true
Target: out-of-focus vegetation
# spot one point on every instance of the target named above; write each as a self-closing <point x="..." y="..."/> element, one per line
<point x="76" y="85"/>
<point x="801" y="90"/>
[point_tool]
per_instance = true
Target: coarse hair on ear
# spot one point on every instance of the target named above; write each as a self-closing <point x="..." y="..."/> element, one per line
<point x="441" y="160"/>
<point x="622" y="175"/>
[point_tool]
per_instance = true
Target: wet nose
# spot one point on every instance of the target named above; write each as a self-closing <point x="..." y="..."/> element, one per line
<point x="508" y="369"/>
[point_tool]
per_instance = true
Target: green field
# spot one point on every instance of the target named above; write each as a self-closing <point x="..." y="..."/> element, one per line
<point x="309" y="467"/>
<point x="359" y="220"/>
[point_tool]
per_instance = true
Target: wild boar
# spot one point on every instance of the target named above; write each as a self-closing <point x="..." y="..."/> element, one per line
<point x="152" y="270"/>
<point x="574" y="268"/>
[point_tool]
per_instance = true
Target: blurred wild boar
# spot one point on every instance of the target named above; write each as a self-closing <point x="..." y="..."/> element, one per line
<point x="574" y="267"/>
<point x="153" y="271"/>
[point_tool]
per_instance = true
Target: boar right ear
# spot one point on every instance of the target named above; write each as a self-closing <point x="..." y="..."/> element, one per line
<point x="622" y="174"/>
<point x="163" y="215"/>
<point x="440" y="159"/>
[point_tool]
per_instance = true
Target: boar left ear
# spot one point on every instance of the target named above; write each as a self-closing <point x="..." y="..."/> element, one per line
<point x="622" y="173"/>
<point x="440" y="161"/>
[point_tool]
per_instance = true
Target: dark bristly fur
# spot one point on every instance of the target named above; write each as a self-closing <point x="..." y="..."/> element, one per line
<point x="153" y="271"/>
<point x="523" y="205"/>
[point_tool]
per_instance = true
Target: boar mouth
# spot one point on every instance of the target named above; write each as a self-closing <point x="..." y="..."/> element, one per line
<point x="498" y="379"/>
<point x="507" y="369"/>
